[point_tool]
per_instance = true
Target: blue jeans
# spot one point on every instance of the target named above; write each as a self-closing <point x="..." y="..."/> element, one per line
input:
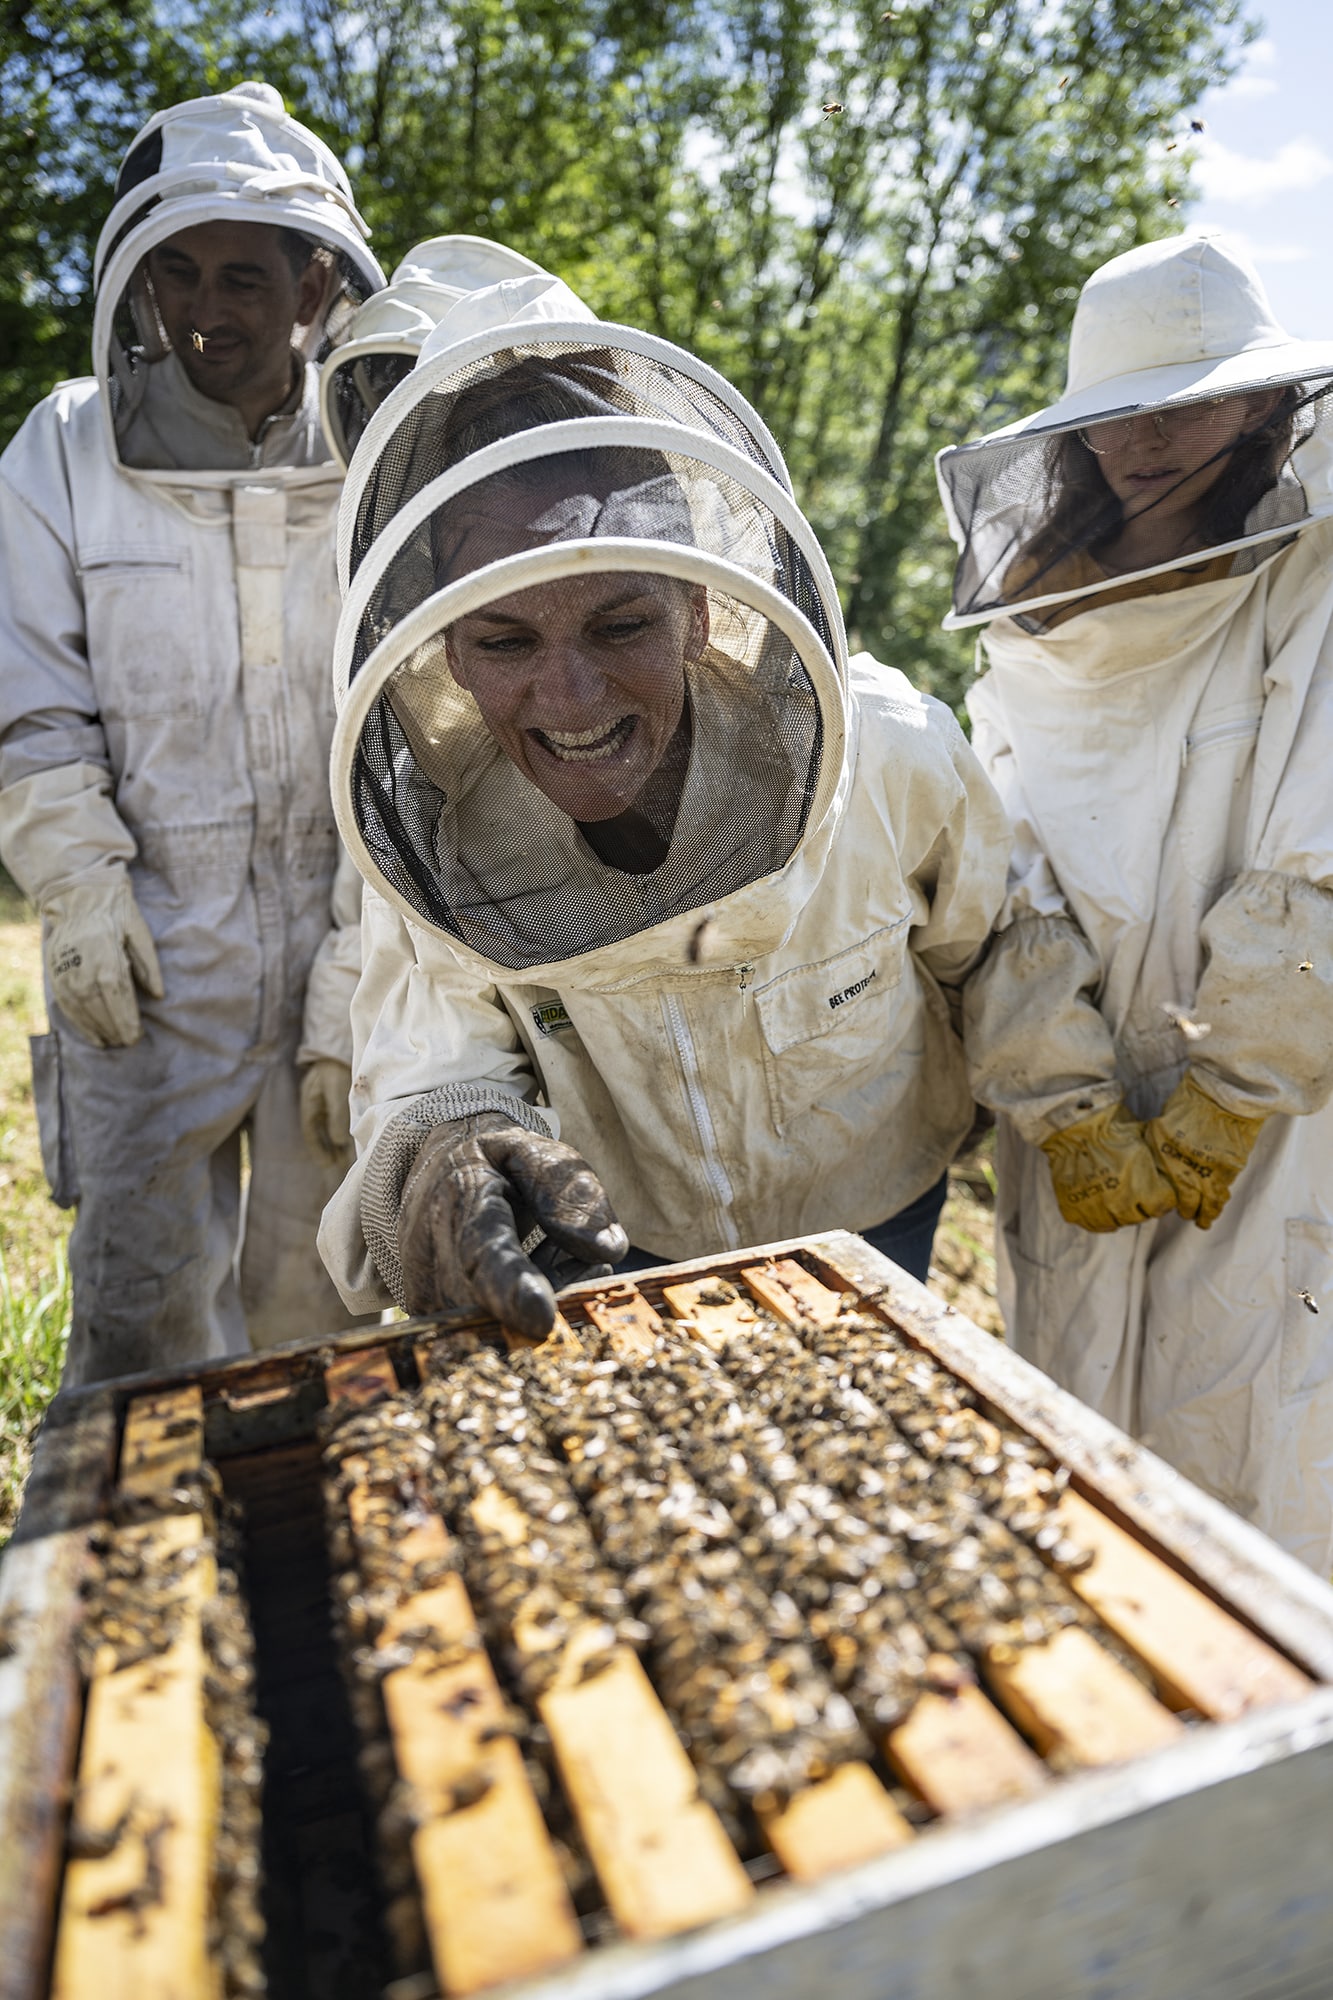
<point x="907" y="1237"/>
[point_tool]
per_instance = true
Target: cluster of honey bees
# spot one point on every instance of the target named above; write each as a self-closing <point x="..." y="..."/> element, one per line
<point x="799" y="1536"/>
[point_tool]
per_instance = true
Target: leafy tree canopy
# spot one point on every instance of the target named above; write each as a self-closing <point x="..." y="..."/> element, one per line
<point x="875" y="219"/>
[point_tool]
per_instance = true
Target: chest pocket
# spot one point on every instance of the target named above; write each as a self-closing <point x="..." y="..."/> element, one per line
<point x="1213" y="803"/>
<point x="142" y="625"/>
<point x="830" y="1027"/>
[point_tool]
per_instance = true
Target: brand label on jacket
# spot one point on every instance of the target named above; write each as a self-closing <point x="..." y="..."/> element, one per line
<point x="550" y="1018"/>
<point x="850" y="992"/>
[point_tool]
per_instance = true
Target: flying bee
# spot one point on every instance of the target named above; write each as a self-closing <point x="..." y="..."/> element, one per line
<point x="1193" y="1031"/>
<point x="832" y="108"/>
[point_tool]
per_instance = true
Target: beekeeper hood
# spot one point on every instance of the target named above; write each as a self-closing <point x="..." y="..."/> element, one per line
<point x="1192" y="432"/>
<point x="591" y="661"/>
<point x="385" y="335"/>
<point x="235" y="157"/>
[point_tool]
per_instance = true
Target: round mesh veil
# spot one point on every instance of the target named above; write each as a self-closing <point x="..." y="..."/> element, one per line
<point x="1048" y="521"/>
<point x="132" y="335"/>
<point x="560" y="764"/>
<point x="662" y="485"/>
<point x="519" y="388"/>
<point x="360" y="383"/>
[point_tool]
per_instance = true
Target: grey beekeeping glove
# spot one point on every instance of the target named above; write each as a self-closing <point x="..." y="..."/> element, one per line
<point x="326" y="1115"/>
<point x="96" y="946"/>
<point x="468" y="1207"/>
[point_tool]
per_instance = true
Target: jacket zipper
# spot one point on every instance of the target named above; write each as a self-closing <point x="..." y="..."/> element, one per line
<point x="715" y="1174"/>
<point x="1219" y="733"/>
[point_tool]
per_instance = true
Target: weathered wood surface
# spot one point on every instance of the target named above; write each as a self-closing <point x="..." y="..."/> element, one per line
<point x="960" y="1755"/>
<point x="661" y="1855"/>
<point x="1201" y="1871"/>
<point x="41" y="1696"/>
<point x="134" y="1917"/>
<point x="660" y="1852"/>
<point x="493" y="1896"/>
<point x="846" y="1819"/>
<point x="1079" y="1706"/>
<point x="1200" y="1657"/>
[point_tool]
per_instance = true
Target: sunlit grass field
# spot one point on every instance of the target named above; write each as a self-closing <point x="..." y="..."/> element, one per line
<point x="34" y="1279"/>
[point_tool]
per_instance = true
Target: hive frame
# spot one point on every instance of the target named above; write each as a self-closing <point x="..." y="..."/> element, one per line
<point x="1201" y="1868"/>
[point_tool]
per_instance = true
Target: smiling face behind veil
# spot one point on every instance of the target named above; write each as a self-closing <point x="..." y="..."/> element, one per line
<point x="570" y="761"/>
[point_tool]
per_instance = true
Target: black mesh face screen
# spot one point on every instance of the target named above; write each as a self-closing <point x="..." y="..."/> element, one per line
<point x="360" y="385"/>
<point x="139" y="337"/>
<point x="600" y="490"/>
<point x="569" y="765"/>
<point x="1048" y="514"/>
<point x="519" y="389"/>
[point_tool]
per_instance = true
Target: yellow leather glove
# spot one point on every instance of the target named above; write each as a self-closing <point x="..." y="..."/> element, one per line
<point x="326" y="1117"/>
<point x="1200" y="1148"/>
<point x="1105" y="1177"/>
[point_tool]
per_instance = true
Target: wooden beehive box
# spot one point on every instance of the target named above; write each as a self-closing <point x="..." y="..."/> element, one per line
<point x="1072" y="1837"/>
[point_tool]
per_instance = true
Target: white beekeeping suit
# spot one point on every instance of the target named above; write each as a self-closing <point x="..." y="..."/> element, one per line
<point x="166" y="626"/>
<point x="1156" y="1016"/>
<point x="666" y="895"/>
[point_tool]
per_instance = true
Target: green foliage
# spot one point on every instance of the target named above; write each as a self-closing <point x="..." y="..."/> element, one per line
<point x="34" y="1326"/>
<point x="875" y="219"/>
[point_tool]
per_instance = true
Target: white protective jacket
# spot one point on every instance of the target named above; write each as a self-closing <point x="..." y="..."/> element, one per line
<point x="165" y="705"/>
<point x="1166" y="762"/>
<point x="804" y="1075"/>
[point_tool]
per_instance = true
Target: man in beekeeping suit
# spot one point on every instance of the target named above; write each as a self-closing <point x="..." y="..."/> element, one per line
<point x="666" y="893"/>
<point x="166" y="624"/>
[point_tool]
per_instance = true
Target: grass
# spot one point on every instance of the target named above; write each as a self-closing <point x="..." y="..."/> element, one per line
<point x="33" y="1329"/>
<point x="34" y="1278"/>
<point x="963" y="1266"/>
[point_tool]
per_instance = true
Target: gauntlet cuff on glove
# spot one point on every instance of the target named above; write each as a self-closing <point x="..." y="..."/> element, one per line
<point x="394" y="1155"/>
<point x="1036" y="1044"/>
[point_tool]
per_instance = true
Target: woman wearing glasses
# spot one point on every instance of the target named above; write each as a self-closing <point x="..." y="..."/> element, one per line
<point x="1149" y="560"/>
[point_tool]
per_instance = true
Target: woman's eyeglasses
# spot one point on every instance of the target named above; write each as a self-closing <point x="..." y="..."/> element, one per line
<point x="1185" y="422"/>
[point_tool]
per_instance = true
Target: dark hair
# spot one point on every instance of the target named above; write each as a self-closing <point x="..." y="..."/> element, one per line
<point x="299" y="249"/>
<point x="534" y="390"/>
<point x="1088" y="514"/>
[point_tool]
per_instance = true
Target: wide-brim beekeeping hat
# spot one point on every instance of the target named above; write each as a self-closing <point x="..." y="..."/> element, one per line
<point x="1169" y="330"/>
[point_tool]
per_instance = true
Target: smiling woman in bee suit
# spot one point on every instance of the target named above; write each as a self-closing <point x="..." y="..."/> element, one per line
<point x="1154" y="1022"/>
<point x="166" y="622"/>
<point x="666" y="895"/>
